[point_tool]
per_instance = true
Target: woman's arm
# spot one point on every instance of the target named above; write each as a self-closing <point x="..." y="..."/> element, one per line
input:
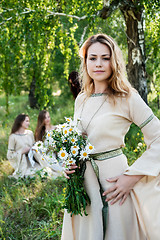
<point x="121" y="189"/>
<point x="149" y="162"/>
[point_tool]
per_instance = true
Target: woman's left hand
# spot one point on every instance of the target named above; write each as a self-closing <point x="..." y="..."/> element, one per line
<point x="120" y="190"/>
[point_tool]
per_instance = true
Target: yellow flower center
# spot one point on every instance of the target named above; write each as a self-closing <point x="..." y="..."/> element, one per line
<point x="73" y="151"/>
<point x="63" y="154"/>
<point x="90" y="147"/>
<point x="84" y="154"/>
<point x="70" y="129"/>
<point x="72" y="140"/>
<point x="65" y="132"/>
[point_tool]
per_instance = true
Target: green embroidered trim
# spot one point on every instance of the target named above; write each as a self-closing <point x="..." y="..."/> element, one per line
<point x="105" y="204"/>
<point x="147" y="121"/>
<point x="107" y="155"/>
<point x="97" y="94"/>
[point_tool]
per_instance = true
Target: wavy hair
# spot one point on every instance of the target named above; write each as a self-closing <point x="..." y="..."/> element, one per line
<point x="118" y="85"/>
<point x="18" y="122"/>
<point x="40" y="128"/>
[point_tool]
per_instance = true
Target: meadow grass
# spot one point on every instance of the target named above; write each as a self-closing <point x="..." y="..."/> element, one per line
<point x="32" y="208"/>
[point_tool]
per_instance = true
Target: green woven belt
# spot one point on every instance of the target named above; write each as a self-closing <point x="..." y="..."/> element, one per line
<point x="100" y="157"/>
<point x="106" y="155"/>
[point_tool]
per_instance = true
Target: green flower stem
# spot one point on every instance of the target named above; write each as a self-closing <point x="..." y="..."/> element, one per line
<point x="76" y="198"/>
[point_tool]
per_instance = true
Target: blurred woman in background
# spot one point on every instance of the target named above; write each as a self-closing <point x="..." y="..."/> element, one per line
<point x="74" y="84"/>
<point x="43" y="127"/>
<point x="20" y="142"/>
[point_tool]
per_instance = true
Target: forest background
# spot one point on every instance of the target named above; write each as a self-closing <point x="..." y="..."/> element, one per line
<point x="39" y="42"/>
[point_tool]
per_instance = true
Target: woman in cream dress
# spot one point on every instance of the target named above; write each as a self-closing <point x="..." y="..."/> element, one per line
<point x="106" y="109"/>
<point x="44" y="127"/>
<point x="20" y="142"/>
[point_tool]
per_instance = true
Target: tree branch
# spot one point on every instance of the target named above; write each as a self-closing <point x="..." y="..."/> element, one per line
<point x="83" y="34"/>
<point x="51" y="13"/>
<point x="66" y="15"/>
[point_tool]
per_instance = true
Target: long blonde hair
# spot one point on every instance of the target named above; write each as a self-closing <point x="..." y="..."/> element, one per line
<point x="118" y="85"/>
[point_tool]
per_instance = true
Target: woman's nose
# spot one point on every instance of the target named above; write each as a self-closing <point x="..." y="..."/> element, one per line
<point x="98" y="62"/>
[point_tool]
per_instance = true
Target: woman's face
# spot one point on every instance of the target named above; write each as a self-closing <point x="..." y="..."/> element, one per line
<point x="98" y="62"/>
<point x="25" y="123"/>
<point x="47" y="119"/>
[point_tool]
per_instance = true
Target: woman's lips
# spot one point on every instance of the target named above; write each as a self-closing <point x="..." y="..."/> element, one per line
<point x="99" y="71"/>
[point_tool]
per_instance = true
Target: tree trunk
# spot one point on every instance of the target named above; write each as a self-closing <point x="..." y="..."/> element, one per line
<point x="7" y="103"/>
<point x="136" y="49"/>
<point x="32" y="97"/>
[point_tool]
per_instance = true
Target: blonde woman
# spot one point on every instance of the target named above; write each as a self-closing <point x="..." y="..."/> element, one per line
<point x="106" y="108"/>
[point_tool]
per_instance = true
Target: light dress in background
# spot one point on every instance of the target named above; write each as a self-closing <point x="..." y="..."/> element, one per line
<point x="25" y="166"/>
<point x="139" y="217"/>
<point x="20" y="162"/>
<point x="50" y="163"/>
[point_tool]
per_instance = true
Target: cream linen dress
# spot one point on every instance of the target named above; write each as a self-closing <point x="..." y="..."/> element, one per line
<point x="139" y="217"/>
<point x="19" y="161"/>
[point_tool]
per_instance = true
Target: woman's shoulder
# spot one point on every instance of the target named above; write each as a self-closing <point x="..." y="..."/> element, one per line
<point x="80" y="98"/>
<point x="29" y="132"/>
<point x="12" y="136"/>
<point x="132" y="97"/>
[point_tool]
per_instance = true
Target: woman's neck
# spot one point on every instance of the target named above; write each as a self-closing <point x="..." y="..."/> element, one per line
<point x="48" y="127"/>
<point x="21" y="130"/>
<point x="100" y="88"/>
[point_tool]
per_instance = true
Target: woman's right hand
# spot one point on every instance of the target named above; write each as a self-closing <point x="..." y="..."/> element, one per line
<point x="25" y="150"/>
<point x="69" y="171"/>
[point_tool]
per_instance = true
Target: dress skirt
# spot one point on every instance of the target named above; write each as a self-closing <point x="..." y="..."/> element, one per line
<point x="122" y="221"/>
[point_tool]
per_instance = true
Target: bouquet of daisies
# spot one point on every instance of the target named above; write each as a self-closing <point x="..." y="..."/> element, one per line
<point x="70" y="148"/>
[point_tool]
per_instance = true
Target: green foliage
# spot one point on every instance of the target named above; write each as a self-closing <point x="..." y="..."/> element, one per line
<point x="31" y="208"/>
<point x="134" y="144"/>
<point x="152" y="48"/>
<point x="39" y="42"/>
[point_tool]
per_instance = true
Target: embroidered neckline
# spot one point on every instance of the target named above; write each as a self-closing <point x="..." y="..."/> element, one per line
<point x="97" y="94"/>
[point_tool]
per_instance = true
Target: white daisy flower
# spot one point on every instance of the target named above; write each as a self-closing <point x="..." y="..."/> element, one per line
<point x="70" y="161"/>
<point x="75" y="147"/>
<point x="48" y="134"/>
<point x="84" y="154"/>
<point x="73" y="140"/>
<point x="70" y="129"/>
<point x="64" y="125"/>
<point x="89" y="148"/>
<point x="38" y="145"/>
<point x="65" y="131"/>
<point x="74" y="151"/>
<point x="63" y="154"/>
<point x="69" y="120"/>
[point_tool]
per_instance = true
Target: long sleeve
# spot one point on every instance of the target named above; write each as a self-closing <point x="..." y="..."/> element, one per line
<point x="142" y="116"/>
<point x="13" y="155"/>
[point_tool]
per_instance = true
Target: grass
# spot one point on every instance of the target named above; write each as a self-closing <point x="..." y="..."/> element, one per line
<point x="32" y="208"/>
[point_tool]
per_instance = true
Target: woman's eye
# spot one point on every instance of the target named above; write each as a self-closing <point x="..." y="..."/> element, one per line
<point x="106" y="59"/>
<point x="92" y="58"/>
